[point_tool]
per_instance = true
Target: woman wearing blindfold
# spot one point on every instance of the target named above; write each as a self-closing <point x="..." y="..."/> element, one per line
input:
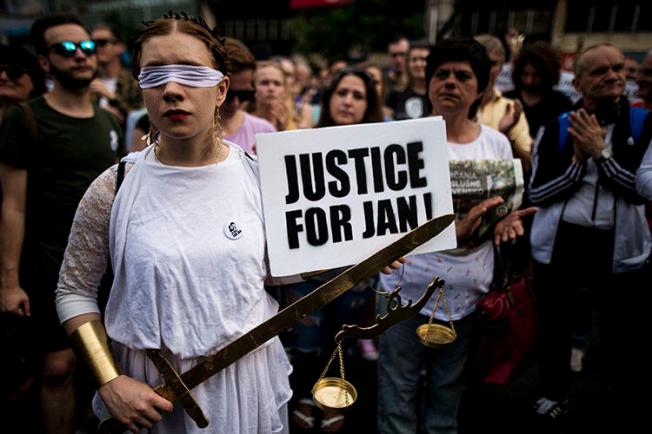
<point x="186" y="240"/>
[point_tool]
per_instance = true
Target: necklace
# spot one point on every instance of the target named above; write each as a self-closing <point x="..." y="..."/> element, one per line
<point x="157" y="150"/>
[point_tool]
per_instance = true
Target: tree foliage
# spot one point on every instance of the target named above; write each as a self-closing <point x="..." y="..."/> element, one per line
<point x="364" y="26"/>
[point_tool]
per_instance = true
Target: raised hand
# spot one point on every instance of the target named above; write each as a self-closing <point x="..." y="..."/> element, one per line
<point x="98" y="87"/>
<point x="510" y="117"/>
<point x="280" y="113"/>
<point x="511" y="227"/>
<point x="465" y="227"/>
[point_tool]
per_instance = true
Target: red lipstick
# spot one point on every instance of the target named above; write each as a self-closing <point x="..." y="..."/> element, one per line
<point x="176" y="115"/>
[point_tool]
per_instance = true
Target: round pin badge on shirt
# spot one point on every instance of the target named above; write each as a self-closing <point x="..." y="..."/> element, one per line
<point x="233" y="230"/>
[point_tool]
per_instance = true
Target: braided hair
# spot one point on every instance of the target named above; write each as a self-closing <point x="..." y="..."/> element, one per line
<point x="182" y="23"/>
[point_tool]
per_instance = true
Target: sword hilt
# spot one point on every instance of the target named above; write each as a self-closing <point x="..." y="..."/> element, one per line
<point x="173" y="389"/>
<point x="111" y="425"/>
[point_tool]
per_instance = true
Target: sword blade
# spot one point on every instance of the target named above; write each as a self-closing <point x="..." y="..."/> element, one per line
<point x="308" y="304"/>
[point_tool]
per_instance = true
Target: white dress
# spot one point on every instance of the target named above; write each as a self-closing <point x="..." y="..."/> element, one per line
<point x="187" y="247"/>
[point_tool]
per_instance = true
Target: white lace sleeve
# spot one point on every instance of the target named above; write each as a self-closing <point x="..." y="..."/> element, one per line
<point x="87" y="253"/>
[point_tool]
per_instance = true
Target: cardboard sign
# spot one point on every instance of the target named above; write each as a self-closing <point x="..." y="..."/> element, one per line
<point x="334" y="196"/>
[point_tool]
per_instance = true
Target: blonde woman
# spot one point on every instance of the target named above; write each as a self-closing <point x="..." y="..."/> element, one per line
<point x="273" y="100"/>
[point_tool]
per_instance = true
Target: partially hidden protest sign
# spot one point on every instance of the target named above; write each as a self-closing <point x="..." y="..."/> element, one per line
<point x="333" y="196"/>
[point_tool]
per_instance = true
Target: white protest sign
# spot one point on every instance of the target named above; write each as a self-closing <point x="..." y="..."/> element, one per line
<point x="334" y="196"/>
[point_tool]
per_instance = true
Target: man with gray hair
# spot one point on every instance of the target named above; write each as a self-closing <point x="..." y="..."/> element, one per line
<point x="590" y="231"/>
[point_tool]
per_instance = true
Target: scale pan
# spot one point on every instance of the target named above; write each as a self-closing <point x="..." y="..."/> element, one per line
<point x="331" y="393"/>
<point x="436" y="335"/>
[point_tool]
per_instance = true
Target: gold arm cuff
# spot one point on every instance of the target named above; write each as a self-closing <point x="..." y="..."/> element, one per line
<point x="91" y="341"/>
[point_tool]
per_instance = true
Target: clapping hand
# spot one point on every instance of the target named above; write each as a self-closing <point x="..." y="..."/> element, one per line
<point x="588" y="135"/>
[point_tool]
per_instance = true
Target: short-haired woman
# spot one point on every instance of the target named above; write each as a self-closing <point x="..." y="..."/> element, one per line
<point x="457" y="73"/>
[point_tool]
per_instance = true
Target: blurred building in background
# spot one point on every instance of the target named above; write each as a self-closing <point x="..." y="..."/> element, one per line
<point x="353" y="28"/>
<point x="569" y="25"/>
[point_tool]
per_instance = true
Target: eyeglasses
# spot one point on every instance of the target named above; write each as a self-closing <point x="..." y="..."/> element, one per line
<point x="399" y="54"/>
<point x="14" y="72"/>
<point x="103" y="42"/>
<point x="69" y="48"/>
<point x="243" y="95"/>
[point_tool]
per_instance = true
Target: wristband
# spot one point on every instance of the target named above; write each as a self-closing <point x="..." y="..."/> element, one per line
<point x="91" y="341"/>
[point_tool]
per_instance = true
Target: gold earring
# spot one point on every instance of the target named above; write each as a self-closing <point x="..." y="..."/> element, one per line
<point x="149" y="138"/>
<point x="217" y="128"/>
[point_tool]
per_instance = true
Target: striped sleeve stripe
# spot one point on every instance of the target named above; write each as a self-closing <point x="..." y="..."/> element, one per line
<point x="557" y="185"/>
<point x="618" y="174"/>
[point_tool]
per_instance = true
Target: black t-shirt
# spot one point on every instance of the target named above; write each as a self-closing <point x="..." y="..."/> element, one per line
<point x="552" y="105"/>
<point x="407" y="104"/>
<point x="68" y="155"/>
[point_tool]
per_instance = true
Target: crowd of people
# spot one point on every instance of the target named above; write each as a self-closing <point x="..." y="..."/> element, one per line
<point x="118" y="188"/>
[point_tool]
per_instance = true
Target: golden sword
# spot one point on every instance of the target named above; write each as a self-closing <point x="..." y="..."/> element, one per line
<point x="177" y="387"/>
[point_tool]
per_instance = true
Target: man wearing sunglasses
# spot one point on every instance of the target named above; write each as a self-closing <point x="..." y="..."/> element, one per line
<point x="61" y="142"/>
<point x="115" y="88"/>
<point x="239" y="126"/>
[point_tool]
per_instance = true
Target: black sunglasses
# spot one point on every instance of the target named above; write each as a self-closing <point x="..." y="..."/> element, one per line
<point x="243" y="95"/>
<point x="14" y="72"/>
<point x="103" y="42"/>
<point x="69" y="48"/>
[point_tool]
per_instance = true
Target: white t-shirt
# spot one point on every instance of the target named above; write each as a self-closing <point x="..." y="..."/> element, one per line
<point x="504" y="80"/>
<point x="111" y="84"/>
<point x="468" y="276"/>
<point x="566" y="87"/>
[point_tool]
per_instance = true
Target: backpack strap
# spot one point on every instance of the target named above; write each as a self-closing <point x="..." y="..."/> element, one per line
<point x="637" y="116"/>
<point x="563" y="130"/>
<point x="31" y="120"/>
<point x="104" y="289"/>
<point x="120" y="176"/>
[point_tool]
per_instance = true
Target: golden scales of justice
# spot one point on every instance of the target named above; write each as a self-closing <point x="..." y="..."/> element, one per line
<point x="336" y="393"/>
<point x="438" y="335"/>
<point x="330" y="393"/>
